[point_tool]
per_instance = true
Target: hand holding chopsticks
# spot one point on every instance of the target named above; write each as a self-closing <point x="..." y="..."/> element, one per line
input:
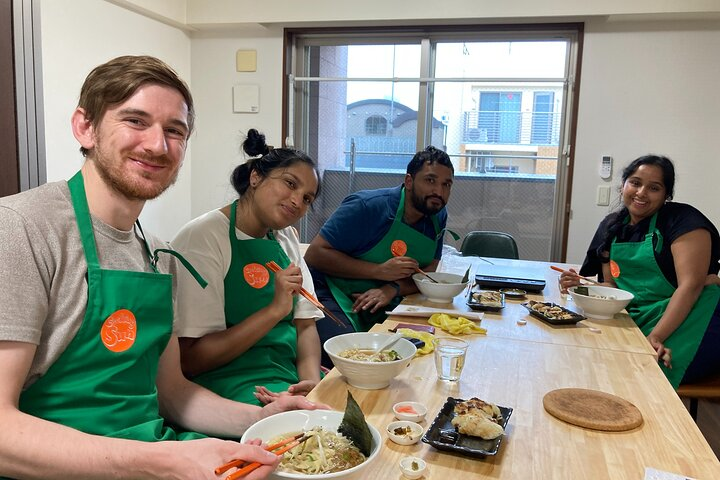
<point x="575" y="274"/>
<point x="274" y="267"/>
<point x="286" y="445"/>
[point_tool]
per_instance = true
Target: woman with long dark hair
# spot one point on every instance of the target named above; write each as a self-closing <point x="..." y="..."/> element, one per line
<point x="248" y="336"/>
<point x="666" y="254"/>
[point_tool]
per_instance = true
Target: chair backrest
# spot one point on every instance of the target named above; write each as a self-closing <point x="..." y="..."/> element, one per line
<point x="489" y="244"/>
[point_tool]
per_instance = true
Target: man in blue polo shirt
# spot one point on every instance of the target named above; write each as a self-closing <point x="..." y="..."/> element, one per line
<point x="366" y="252"/>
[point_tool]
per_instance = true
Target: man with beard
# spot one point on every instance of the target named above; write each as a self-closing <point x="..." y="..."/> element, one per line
<point x="366" y="252"/>
<point x="90" y="373"/>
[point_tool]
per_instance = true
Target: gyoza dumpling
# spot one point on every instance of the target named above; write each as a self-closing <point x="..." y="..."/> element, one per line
<point x="477" y="426"/>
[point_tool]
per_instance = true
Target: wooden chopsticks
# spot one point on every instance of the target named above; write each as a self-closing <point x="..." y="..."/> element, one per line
<point x="274" y="267"/>
<point x="420" y="271"/>
<point x="286" y="445"/>
<point x="562" y="270"/>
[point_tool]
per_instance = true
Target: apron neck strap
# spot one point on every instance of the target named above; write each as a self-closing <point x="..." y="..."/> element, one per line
<point x="84" y="221"/>
<point x="233" y="219"/>
<point x="653" y="232"/>
<point x="657" y="236"/>
<point x="433" y="218"/>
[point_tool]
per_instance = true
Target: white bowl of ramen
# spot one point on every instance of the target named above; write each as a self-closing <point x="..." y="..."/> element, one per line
<point x="601" y="302"/>
<point x="287" y="424"/>
<point x="448" y="287"/>
<point x="347" y="352"/>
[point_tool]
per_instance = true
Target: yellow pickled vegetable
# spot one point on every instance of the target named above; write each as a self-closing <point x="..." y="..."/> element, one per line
<point x="455" y="325"/>
<point x="424" y="336"/>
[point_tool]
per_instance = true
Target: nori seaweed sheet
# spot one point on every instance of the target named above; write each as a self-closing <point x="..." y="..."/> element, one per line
<point x="355" y="428"/>
<point x="582" y="291"/>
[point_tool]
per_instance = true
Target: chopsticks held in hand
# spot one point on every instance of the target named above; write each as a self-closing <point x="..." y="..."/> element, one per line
<point x="274" y="267"/>
<point x="286" y="445"/>
<point x="562" y="270"/>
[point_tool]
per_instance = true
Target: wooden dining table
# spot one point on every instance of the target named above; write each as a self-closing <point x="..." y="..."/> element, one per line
<point x="515" y="366"/>
<point x="619" y="333"/>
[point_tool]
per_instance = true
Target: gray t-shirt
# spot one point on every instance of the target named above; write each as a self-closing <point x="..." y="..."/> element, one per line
<point x="43" y="289"/>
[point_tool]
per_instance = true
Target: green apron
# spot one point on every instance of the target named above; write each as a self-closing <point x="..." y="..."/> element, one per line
<point x="635" y="270"/>
<point x="400" y="240"/>
<point x="104" y="381"/>
<point x="249" y="287"/>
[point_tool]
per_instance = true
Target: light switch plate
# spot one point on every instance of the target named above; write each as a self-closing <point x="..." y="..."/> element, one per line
<point x="246" y="98"/>
<point x="603" y="195"/>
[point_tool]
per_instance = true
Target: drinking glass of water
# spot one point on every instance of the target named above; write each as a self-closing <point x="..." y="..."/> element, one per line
<point x="449" y="357"/>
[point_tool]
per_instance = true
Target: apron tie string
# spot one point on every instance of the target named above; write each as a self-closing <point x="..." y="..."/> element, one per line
<point x="153" y="256"/>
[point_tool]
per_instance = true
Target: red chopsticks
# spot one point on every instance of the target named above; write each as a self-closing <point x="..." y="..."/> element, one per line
<point x="274" y="267"/>
<point x="562" y="270"/>
<point x="286" y="445"/>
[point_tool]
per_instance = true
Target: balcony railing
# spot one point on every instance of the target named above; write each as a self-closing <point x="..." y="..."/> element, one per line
<point x="511" y="128"/>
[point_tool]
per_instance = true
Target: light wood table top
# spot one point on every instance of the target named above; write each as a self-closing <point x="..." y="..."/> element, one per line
<point x="617" y="334"/>
<point x="517" y="374"/>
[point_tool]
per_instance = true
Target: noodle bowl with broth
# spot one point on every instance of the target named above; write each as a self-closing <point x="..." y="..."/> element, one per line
<point x="286" y="424"/>
<point x="323" y="452"/>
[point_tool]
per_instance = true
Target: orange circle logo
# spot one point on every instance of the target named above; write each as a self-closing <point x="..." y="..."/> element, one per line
<point x="256" y="275"/>
<point x="118" y="331"/>
<point x="398" y="248"/>
<point x="614" y="269"/>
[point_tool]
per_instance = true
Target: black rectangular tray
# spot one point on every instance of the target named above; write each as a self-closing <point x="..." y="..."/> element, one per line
<point x="576" y="317"/>
<point x="485" y="306"/>
<point x="463" y="444"/>
<point x="527" y="284"/>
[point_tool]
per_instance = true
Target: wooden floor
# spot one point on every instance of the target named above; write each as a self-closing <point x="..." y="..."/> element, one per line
<point x="709" y="422"/>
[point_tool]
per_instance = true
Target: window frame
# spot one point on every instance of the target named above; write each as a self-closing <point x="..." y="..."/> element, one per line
<point x="295" y="39"/>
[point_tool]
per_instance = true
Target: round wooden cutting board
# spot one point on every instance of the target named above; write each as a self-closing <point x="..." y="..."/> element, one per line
<point x="592" y="409"/>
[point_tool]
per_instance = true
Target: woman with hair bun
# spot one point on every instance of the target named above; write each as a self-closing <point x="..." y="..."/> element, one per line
<point x="248" y="336"/>
<point x="666" y="254"/>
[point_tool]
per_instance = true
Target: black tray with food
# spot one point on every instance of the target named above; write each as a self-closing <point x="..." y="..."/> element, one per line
<point x="488" y="300"/>
<point x="444" y="436"/>
<point x="552" y="313"/>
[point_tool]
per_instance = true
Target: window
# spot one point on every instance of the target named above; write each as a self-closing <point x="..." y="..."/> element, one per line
<point x="499" y="116"/>
<point x="543" y="121"/>
<point x="363" y="101"/>
<point x="376" y="125"/>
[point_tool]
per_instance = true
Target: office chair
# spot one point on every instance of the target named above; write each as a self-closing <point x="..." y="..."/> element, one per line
<point x="489" y="244"/>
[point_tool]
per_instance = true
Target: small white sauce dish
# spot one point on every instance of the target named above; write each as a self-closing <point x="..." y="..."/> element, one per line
<point x="403" y="432"/>
<point x="412" y="467"/>
<point x="410" y="411"/>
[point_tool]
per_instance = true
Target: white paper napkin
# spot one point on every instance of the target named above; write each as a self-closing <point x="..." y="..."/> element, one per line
<point x="426" y="312"/>
<point x="654" y="474"/>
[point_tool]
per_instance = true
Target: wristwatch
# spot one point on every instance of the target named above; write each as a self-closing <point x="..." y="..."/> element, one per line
<point x="396" y="286"/>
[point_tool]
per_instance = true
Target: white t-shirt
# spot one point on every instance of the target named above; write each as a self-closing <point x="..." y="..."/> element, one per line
<point x="43" y="286"/>
<point x="205" y="243"/>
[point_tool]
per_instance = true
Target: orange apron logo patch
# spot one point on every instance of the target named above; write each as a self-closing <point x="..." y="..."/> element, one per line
<point x="118" y="331"/>
<point x="256" y="275"/>
<point x="398" y="248"/>
<point x="614" y="269"/>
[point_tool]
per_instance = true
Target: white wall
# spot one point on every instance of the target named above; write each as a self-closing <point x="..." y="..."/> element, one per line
<point x="217" y="141"/>
<point x="78" y="35"/>
<point x="647" y="88"/>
